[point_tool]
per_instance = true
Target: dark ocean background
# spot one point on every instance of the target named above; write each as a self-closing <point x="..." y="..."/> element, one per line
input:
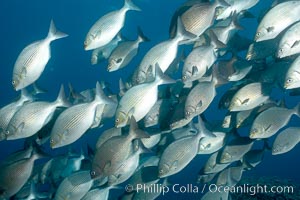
<point x="23" y="22"/>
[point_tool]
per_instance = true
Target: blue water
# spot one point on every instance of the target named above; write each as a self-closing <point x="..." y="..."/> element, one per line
<point x="23" y="22"/>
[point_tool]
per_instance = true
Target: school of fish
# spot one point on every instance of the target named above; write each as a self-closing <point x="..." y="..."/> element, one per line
<point x="161" y="113"/>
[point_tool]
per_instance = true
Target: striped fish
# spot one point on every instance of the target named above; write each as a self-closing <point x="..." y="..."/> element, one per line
<point x="75" y="186"/>
<point x="31" y="117"/>
<point x="32" y="60"/>
<point x="72" y="123"/>
<point x="107" y="27"/>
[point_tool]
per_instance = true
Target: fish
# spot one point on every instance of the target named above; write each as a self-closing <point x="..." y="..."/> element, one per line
<point x="31" y="117"/>
<point x="270" y="121"/>
<point x="199" y="98"/>
<point x="98" y="193"/>
<point x="277" y="19"/>
<point x="235" y="6"/>
<point x="8" y="111"/>
<point x="212" y="142"/>
<point x="162" y="54"/>
<point x="107" y="160"/>
<point x="195" y="66"/>
<point x="128" y="167"/>
<point x="32" y="60"/>
<point x="286" y="140"/>
<point x="104" y="52"/>
<point x="139" y="100"/>
<point x="158" y="112"/>
<point x="179" y="154"/>
<point x="152" y="141"/>
<point x="230" y="176"/>
<point x="263" y="49"/>
<point x="107" y="27"/>
<point x="72" y="123"/>
<point x="212" y="165"/>
<point x="75" y="186"/>
<point x="250" y="96"/>
<point x="200" y="17"/>
<point x="107" y="134"/>
<point x="14" y="175"/>
<point x="292" y="77"/>
<point x="224" y="33"/>
<point x="235" y="149"/>
<point x="289" y="42"/>
<point x="125" y="52"/>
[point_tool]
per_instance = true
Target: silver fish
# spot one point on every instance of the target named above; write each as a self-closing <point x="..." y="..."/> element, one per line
<point x="138" y="100"/>
<point x="72" y="123"/>
<point x="249" y="96"/>
<point x="289" y="43"/>
<point x="292" y="77"/>
<point x="286" y="140"/>
<point x="32" y="60"/>
<point x="179" y="154"/>
<point x="212" y="165"/>
<point x="104" y="52"/>
<point x="162" y="54"/>
<point x="31" y="117"/>
<point x="128" y="167"/>
<point x="277" y="19"/>
<point x="158" y="112"/>
<point x="235" y="149"/>
<point x="125" y="52"/>
<point x="107" y="160"/>
<point x="8" y="111"/>
<point x="107" y="27"/>
<point x="235" y="6"/>
<point x="75" y="186"/>
<point x="107" y="134"/>
<point x="210" y="145"/>
<point x="199" y="98"/>
<point x="13" y="176"/>
<point x="200" y="16"/>
<point x="98" y="193"/>
<point x="195" y="66"/>
<point x="270" y="121"/>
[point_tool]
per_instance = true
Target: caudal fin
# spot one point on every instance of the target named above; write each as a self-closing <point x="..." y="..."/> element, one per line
<point x="141" y="36"/>
<point x="55" y="34"/>
<point x="129" y="5"/>
<point x="161" y="77"/>
<point x="182" y="35"/>
<point x="61" y="100"/>
<point x="101" y="97"/>
<point x="134" y="130"/>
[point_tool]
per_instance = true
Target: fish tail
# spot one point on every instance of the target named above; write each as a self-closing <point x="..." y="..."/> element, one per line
<point x="55" y="34"/>
<point x="181" y="34"/>
<point x="214" y="40"/>
<point x="235" y="22"/>
<point x="129" y="5"/>
<point x="25" y="95"/>
<point x="221" y="3"/>
<point x="297" y="110"/>
<point x="61" y="100"/>
<point x="141" y="36"/>
<point x="134" y="130"/>
<point x="100" y="95"/>
<point x="160" y="76"/>
<point x="37" y="89"/>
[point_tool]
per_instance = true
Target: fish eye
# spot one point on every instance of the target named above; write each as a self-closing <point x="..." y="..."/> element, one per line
<point x="289" y="80"/>
<point x="117" y="120"/>
<point x="184" y="77"/>
<point x="51" y="141"/>
<point x="187" y="113"/>
<point x="281" y="50"/>
<point x="7" y="132"/>
<point x="93" y="173"/>
<point x="13" y="82"/>
<point x="258" y="34"/>
<point x="161" y="171"/>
